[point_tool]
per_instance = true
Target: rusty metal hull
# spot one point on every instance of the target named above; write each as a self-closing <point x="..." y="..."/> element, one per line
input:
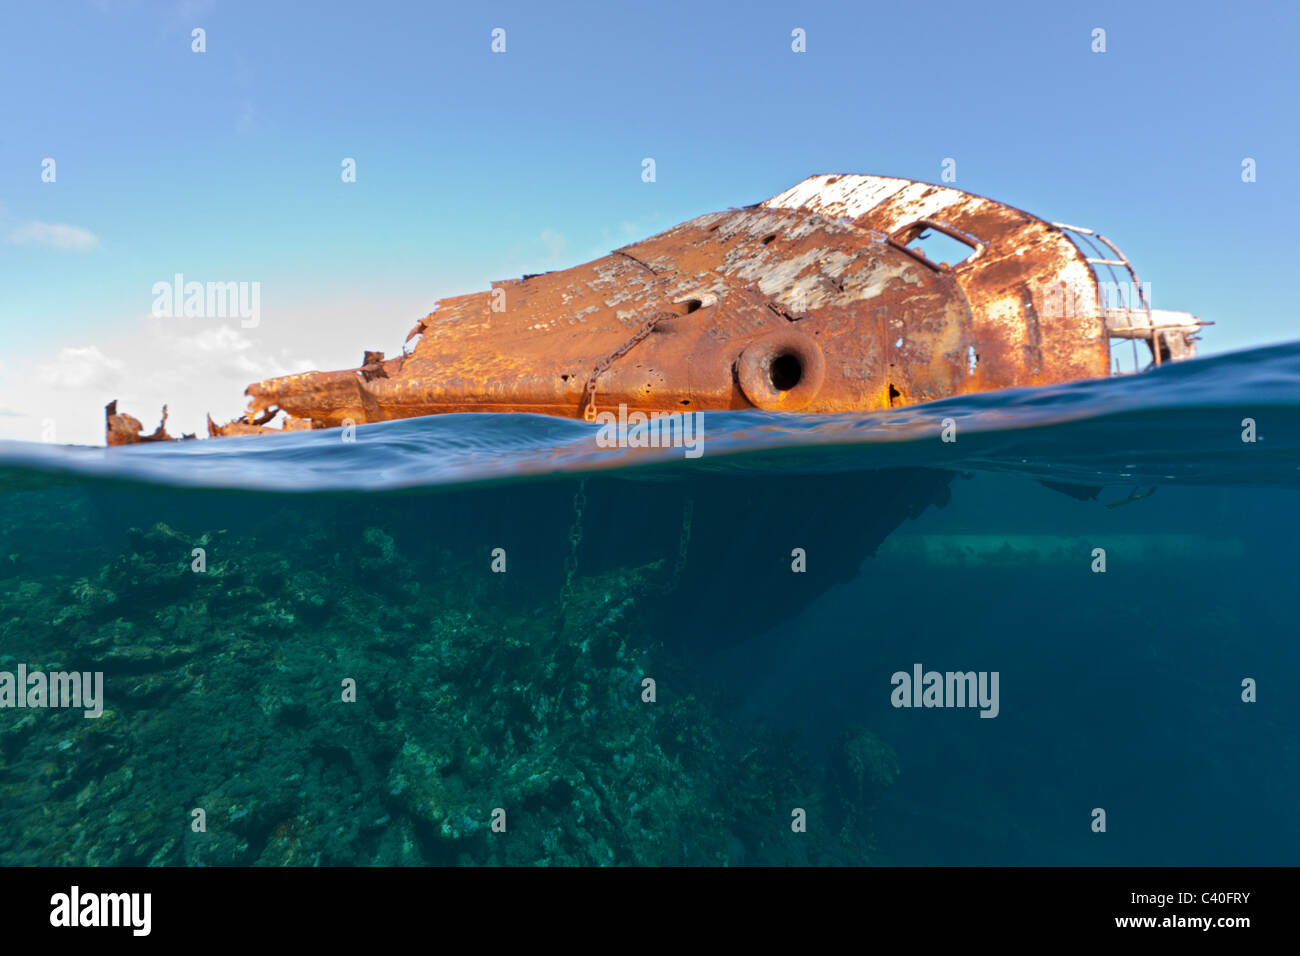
<point x="810" y="301"/>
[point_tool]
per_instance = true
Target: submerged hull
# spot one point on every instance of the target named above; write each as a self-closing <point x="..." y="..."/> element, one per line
<point x="818" y="300"/>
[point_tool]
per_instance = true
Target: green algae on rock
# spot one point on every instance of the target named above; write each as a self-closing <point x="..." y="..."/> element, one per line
<point x="225" y="694"/>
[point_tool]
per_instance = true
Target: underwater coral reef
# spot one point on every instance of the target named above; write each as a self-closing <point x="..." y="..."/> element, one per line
<point x="477" y="698"/>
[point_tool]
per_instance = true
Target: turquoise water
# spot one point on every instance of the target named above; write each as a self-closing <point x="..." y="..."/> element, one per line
<point x="430" y="644"/>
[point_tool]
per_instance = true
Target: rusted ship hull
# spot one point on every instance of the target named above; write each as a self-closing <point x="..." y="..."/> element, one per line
<point x="817" y="300"/>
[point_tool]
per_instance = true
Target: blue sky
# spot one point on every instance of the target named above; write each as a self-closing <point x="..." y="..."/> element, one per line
<point x="474" y="166"/>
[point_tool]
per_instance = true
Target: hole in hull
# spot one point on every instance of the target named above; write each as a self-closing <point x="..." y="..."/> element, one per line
<point x="685" y="307"/>
<point x="785" y="372"/>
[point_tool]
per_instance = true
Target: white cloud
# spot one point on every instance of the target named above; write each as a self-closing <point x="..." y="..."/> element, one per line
<point x="195" y="366"/>
<point x="53" y="235"/>
<point x="79" y="368"/>
<point x="225" y="351"/>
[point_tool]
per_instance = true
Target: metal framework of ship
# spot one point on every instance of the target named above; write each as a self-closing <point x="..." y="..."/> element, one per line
<point x="820" y="299"/>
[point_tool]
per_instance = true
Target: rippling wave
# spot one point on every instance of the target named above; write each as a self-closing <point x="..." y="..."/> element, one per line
<point x="1181" y="423"/>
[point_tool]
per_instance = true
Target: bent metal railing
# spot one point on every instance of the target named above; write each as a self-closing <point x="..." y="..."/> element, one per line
<point x="1123" y="320"/>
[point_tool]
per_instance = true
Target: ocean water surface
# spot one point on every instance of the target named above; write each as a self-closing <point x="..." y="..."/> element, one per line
<point x="484" y="639"/>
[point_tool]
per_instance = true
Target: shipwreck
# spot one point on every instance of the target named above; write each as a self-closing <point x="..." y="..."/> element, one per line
<point x="821" y="299"/>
